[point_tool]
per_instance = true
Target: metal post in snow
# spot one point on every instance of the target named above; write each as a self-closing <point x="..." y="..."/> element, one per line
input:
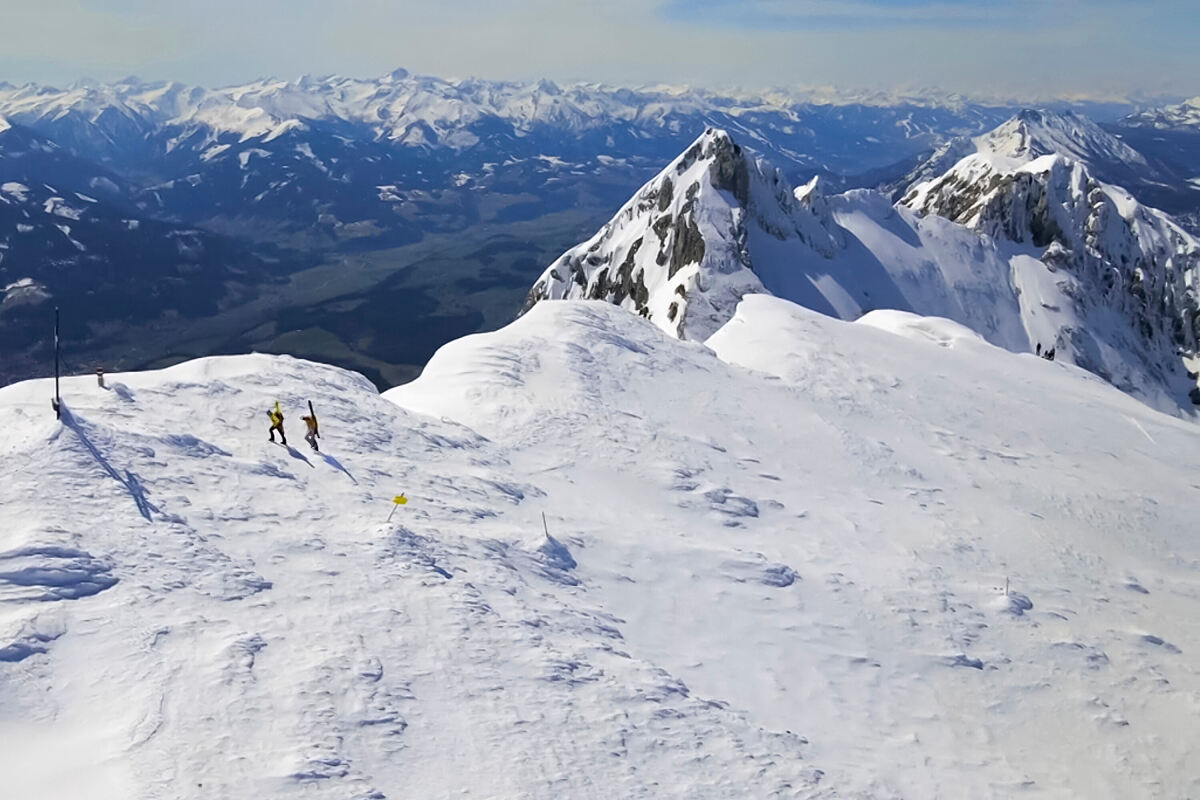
<point x="57" y="398"/>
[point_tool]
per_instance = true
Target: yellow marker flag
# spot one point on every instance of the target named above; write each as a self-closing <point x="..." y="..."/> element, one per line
<point x="398" y="501"/>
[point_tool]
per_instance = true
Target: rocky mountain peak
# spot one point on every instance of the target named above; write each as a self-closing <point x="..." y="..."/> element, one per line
<point x="681" y="252"/>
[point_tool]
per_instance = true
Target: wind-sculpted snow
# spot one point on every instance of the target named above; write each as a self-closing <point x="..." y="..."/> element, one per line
<point x="238" y="618"/>
<point x="817" y="560"/>
<point x="899" y="482"/>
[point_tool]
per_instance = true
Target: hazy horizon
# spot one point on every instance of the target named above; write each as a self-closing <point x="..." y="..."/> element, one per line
<point x="1019" y="49"/>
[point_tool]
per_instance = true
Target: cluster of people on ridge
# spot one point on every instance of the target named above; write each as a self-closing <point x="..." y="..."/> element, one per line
<point x="276" y="416"/>
<point x="1048" y="355"/>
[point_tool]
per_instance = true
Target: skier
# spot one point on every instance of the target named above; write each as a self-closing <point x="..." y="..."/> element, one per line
<point x="1039" y="348"/>
<point x="276" y="417"/>
<point x="313" y="434"/>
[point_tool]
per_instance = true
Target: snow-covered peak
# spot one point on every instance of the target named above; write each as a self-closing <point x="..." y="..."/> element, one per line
<point x="1032" y="133"/>
<point x="683" y="251"/>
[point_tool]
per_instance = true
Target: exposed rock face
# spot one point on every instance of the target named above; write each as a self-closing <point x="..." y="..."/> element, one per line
<point x="1121" y="255"/>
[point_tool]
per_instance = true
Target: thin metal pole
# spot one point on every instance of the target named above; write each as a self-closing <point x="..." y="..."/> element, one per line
<point x="57" y="397"/>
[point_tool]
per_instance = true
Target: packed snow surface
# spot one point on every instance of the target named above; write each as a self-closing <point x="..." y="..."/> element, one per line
<point x="811" y="559"/>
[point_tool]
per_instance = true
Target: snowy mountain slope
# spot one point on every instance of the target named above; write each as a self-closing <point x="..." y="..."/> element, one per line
<point x="1117" y="295"/>
<point x="827" y="550"/>
<point x="755" y="586"/>
<point x="1128" y="274"/>
<point x="1180" y="116"/>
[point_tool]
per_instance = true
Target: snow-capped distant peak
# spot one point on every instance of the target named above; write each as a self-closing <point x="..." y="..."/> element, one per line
<point x="1183" y="116"/>
<point x="1034" y="133"/>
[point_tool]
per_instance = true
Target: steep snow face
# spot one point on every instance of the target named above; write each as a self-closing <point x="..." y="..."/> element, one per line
<point x="1126" y="276"/>
<point x="822" y="541"/>
<point x="686" y="248"/>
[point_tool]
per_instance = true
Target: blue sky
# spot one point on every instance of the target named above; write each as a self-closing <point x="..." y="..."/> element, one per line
<point x="1025" y="48"/>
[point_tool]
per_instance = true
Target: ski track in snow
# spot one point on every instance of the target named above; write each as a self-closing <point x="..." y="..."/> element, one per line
<point x="781" y="574"/>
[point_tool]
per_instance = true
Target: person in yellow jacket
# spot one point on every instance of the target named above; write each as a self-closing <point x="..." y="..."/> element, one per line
<point x="276" y="417"/>
<point x="313" y="434"/>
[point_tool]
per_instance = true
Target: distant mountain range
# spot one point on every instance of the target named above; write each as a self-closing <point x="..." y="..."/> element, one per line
<point x="366" y="221"/>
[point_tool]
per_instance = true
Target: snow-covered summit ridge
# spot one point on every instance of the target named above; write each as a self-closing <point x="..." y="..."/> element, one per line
<point x="1025" y="249"/>
<point x="811" y="444"/>
<point x="775" y="566"/>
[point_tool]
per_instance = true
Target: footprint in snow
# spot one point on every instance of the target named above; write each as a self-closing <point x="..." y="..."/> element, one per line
<point x="1158" y="641"/>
